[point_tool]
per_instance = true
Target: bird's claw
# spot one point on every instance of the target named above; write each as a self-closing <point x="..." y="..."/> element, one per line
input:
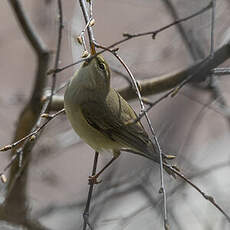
<point x="94" y="180"/>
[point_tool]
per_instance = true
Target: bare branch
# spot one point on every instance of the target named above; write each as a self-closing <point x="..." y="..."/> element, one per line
<point x="57" y="58"/>
<point x="34" y="133"/>
<point x="131" y="36"/>
<point x="154" y="33"/>
<point x="90" y="192"/>
<point x="89" y="28"/>
<point x="206" y="196"/>
<point x="157" y="144"/>
<point x="166" y="82"/>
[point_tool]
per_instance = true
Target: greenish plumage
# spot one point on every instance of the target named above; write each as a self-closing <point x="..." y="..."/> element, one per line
<point x="100" y="116"/>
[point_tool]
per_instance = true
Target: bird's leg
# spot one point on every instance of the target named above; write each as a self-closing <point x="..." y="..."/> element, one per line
<point x="93" y="179"/>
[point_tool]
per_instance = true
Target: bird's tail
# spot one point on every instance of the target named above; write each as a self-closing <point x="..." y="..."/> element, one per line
<point x="167" y="166"/>
<point x="156" y="158"/>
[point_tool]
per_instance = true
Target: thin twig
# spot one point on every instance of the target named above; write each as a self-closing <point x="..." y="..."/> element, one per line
<point x="206" y="196"/>
<point x="26" y="140"/>
<point x="35" y="132"/>
<point x="57" y="58"/>
<point x="143" y="110"/>
<point x="90" y="192"/>
<point x="131" y="36"/>
<point x="212" y="28"/>
<point x="126" y="77"/>
<point x="221" y="71"/>
<point x="166" y="82"/>
<point x="89" y="28"/>
<point x="153" y="33"/>
<point x="83" y="37"/>
<point x="92" y="46"/>
<point x="151" y="105"/>
<point x="90" y="8"/>
<point x="201" y="173"/>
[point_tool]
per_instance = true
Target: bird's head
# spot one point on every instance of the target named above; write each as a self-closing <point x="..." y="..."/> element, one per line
<point x="98" y="73"/>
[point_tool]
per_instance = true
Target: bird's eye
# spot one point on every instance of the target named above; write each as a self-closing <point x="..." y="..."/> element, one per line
<point x="101" y="66"/>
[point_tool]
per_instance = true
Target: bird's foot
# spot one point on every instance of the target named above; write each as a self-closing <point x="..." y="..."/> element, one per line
<point x="93" y="180"/>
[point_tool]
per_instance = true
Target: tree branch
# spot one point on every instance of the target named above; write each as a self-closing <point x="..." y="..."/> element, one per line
<point x="15" y="201"/>
<point x="166" y="82"/>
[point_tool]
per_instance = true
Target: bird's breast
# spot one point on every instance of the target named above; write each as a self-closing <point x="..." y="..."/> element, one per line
<point x="89" y="134"/>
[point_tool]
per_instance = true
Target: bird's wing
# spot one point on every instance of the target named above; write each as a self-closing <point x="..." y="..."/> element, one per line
<point x="114" y="118"/>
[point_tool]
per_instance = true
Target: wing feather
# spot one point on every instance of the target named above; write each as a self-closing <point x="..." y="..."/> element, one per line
<point x="111" y="116"/>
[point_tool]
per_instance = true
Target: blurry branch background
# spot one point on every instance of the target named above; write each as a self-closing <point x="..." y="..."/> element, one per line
<point x="49" y="189"/>
<point x="16" y="198"/>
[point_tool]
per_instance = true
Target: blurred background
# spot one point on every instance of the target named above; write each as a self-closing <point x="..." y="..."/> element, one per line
<point x="191" y="125"/>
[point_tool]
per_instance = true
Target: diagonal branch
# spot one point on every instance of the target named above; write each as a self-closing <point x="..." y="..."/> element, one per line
<point x="168" y="81"/>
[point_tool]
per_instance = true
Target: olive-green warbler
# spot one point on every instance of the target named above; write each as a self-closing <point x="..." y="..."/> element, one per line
<point x="101" y="117"/>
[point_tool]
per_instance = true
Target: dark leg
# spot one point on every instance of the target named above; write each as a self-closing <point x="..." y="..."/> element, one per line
<point x="87" y="206"/>
<point x="93" y="178"/>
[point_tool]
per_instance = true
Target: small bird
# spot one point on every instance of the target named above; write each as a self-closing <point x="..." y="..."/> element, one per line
<point x="102" y="118"/>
